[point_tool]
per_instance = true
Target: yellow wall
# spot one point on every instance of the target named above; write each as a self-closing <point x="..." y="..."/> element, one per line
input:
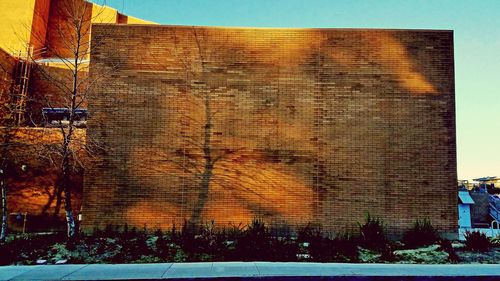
<point x="15" y="24"/>
<point x="16" y="19"/>
<point x="133" y="20"/>
<point x="103" y="14"/>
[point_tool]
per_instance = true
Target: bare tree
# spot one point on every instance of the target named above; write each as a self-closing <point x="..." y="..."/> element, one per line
<point x="69" y="47"/>
<point x="207" y="138"/>
<point x="8" y="160"/>
<point x="196" y="66"/>
<point x="8" y="133"/>
<point x="9" y="129"/>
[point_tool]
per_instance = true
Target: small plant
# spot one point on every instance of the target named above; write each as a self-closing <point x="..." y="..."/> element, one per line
<point x="133" y="245"/>
<point x="495" y="241"/>
<point x="428" y="255"/>
<point x="108" y="231"/>
<point x="421" y="234"/>
<point x="284" y="250"/>
<point x="477" y="241"/>
<point x="346" y="248"/>
<point x="26" y="249"/>
<point x="186" y="238"/>
<point x="211" y="242"/>
<point x="446" y="246"/>
<point x="372" y="234"/>
<point x="308" y="233"/>
<point x="254" y="243"/>
<point x="343" y="248"/>
<point x="387" y="253"/>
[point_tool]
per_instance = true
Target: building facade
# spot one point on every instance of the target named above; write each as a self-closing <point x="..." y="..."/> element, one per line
<point x="36" y="42"/>
<point x="38" y="23"/>
<point x="292" y="126"/>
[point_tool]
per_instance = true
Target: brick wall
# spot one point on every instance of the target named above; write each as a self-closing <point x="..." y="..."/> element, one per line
<point x="7" y="70"/>
<point x="50" y="86"/>
<point x="61" y="33"/>
<point x="39" y="25"/>
<point x="32" y="189"/>
<point x="289" y="125"/>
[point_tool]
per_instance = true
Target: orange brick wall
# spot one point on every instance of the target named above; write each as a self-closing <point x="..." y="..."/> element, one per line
<point x="7" y="70"/>
<point x="304" y="125"/>
<point x="39" y="25"/>
<point x="61" y="33"/>
<point x="51" y="86"/>
<point x="121" y="18"/>
<point x="32" y="190"/>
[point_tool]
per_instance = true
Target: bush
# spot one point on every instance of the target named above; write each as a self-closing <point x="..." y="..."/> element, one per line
<point x="369" y="256"/>
<point x="308" y="233"/>
<point x="283" y="249"/>
<point x="346" y="248"/>
<point x="372" y="234"/>
<point x="477" y="241"/>
<point x="447" y="246"/>
<point x="421" y="234"/>
<point x="429" y="255"/>
<point x="211" y="244"/>
<point x="254" y="243"/>
<point x="26" y="249"/>
<point x="495" y="241"/>
<point x="343" y="248"/>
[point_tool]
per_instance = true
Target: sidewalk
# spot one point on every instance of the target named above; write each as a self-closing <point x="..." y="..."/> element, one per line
<point x="251" y="271"/>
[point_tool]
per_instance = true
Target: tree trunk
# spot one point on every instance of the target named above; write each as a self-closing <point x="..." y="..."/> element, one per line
<point x="47" y="205"/>
<point x="66" y="187"/>
<point x="209" y="164"/>
<point x="202" y="195"/>
<point x="58" y="196"/>
<point x="3" y="180"/>
<point x="5" y="214"/>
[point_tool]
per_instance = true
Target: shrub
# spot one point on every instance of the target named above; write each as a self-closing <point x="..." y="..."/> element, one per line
<point x="284" y="250"/>
<point x="254" y="243"/>
<point x="211" y="244"/>
<point x="233" y="232"/>
<point x="429" y="255"/>
<point x="187" y="240"/>
<point x="108" y="231"/>
<point x="387" y="253"/>
<point x="163" y="249"/>
<point x="26" y="249"/>
<point x="495" y="241"/>
<point x="369" y="256"/>
<point x="421" y="234"/>
<point x="319" y="248"/>
<point x="447" y="246"/>
<point x="372" y="234"/>
<point x="308" y="233"/>
<point x="129" y="245"/>
<point x="343" y="248"/>
<point x="477" y="241"/>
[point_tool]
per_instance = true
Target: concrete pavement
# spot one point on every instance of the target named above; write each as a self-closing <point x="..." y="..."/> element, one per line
<point x="251" y="271"/>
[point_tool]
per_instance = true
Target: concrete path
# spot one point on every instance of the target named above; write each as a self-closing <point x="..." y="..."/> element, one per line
<point x="251" y="271"/>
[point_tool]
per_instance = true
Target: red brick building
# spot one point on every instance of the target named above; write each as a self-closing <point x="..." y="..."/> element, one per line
<point x="289" y="125"/>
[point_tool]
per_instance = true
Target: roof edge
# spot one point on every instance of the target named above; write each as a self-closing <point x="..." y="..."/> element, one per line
<point x="280" y="28"/>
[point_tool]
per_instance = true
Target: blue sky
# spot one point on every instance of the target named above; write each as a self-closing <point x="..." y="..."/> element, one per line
<point x="477" y="48"/>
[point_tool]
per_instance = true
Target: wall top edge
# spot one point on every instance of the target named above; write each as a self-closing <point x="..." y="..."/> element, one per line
<point x="277" y="28"/>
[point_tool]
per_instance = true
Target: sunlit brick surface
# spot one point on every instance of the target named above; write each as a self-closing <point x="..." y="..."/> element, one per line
<point x="296" y="126"/>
